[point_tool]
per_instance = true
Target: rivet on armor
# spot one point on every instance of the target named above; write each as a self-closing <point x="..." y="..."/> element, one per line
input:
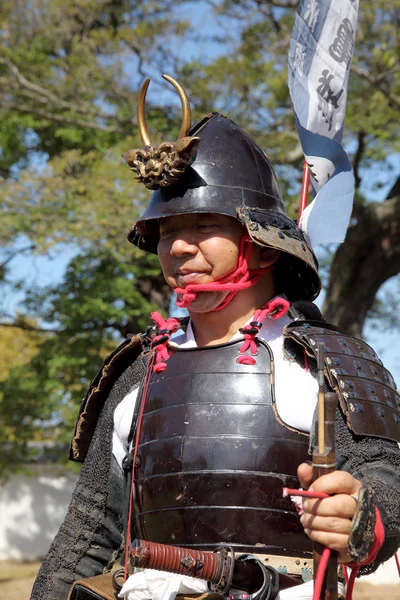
<point x="282" y="569"/>
<point x="343" y="342"/>
<point x="396" y="418"/>
<point x="386" y="393"/>
<point x="349" y="384"/>
<point x="281" y="235"/>
<point x="253" y="226"/>
<point x="359" y="346"/>
<point x="359" y="407"/>
<point x="390" y="404"/>
<point x="303" y="247"/>
<point x="371" y="388"/>
<point x="336" y="360"/>
<point x="381" y="412"/>
<point x="306" y="325"/>
<point x="357" y="364"/>
<point x="374" y="370"/>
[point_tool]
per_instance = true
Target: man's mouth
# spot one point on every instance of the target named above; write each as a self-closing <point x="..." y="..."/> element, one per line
<point x="186" y="277"/>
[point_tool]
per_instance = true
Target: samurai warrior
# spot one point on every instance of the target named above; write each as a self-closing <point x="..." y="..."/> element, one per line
<point x="191" y="430"/>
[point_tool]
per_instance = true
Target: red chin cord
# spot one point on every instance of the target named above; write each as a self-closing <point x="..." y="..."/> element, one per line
<point x="241" y="279"/>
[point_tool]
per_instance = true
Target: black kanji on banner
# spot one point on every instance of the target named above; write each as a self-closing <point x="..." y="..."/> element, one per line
<point x="342" y="48"/>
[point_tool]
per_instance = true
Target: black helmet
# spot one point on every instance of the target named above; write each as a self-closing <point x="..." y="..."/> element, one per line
<point x="219" y="169"/>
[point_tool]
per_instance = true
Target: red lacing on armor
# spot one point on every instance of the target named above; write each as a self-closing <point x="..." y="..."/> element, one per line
<point x="241" y="279"/>
<point x="274" y="309"/>
<point x="143" y="400"/>
<point x="166" y="328"/>
<point x="355" y="567"/>
<point x="305" y="360"/>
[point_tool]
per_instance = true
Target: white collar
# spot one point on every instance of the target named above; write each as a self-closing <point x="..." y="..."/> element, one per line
<point x="271" y="330"/>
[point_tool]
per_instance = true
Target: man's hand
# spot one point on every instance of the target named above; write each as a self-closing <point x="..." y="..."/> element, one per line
<point x="328" y="521"/>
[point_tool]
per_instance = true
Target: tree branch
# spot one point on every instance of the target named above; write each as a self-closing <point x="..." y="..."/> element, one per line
<point x="15" y="253"/>
<point x="137" y="50"/>
<point x="27" y="327"/>
<point x="60" y="118"/>
<point x="379" y="83"/>
<point x="283" y="4"/>
<point x="357" y="158"/>
<point x="38" y="93"/>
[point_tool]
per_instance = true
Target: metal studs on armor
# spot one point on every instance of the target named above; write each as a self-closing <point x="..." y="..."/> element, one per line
<point x="381" y="412"/>
<point x="356" y="407"/>
<point x="253" y="226"/>
<point x="396" y="418"/>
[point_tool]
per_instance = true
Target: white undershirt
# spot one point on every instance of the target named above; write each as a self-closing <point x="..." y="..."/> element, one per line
<point x="296" y="390"/>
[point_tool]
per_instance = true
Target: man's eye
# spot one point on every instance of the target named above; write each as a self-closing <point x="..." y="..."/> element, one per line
<point x="164" y="233"/>
<point x="206" y="225"/>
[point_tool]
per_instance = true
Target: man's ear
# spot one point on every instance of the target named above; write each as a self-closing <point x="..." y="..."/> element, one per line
<point x="268" y="257"/>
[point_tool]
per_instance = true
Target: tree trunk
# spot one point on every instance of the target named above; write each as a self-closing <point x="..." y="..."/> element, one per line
<point x="369" y="256"/>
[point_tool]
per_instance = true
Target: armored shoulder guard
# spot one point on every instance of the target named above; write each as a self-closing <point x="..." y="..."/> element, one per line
<point x="367" y="391"/>
<point x="114" y="365"/>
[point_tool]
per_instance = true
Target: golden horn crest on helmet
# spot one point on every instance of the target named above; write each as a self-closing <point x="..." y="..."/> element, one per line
<point x="162" y="165"/>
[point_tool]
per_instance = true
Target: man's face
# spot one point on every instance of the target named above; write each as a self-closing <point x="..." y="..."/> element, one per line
<point x="199" y="248"/>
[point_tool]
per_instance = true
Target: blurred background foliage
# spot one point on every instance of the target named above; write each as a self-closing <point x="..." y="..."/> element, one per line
<point x="69" y="78"/>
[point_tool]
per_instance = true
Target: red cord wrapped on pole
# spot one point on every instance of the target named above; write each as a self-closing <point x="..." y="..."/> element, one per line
<point x="304" y="189"/>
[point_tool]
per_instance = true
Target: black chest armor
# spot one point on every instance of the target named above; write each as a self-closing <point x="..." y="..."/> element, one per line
<point x="213" y="456"/>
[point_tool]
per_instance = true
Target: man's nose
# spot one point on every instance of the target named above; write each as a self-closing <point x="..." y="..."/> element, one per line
<point x="183" y="245"/>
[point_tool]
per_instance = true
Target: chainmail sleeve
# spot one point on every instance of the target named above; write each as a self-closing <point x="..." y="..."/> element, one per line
<point x="375" y="462"/>
<point x="90" y="538"/>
